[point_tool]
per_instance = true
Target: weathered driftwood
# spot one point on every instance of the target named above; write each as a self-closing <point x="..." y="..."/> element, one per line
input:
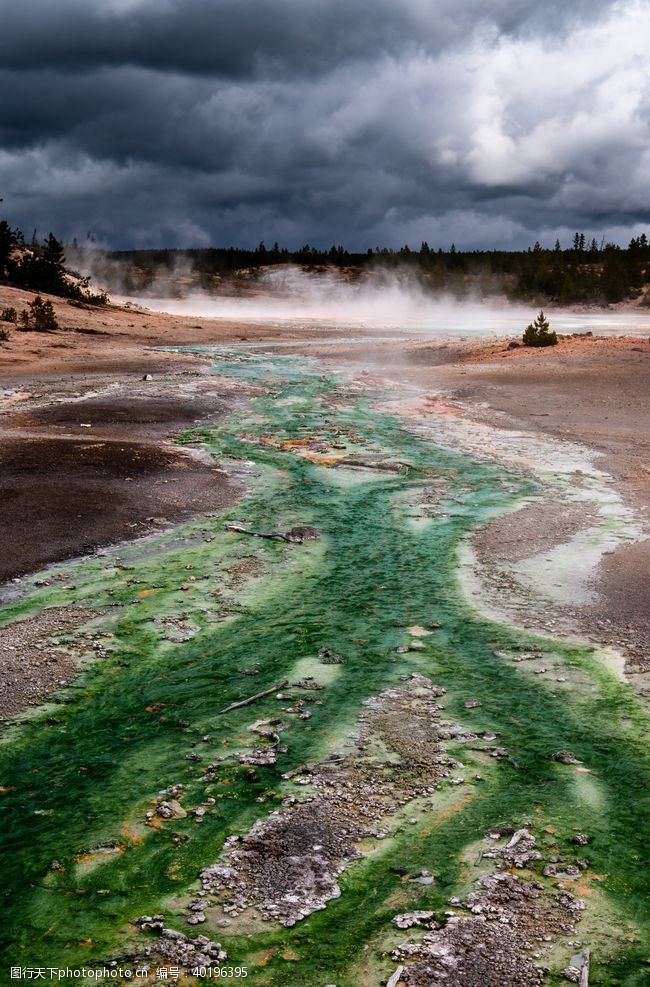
<point x="251" y="699"/>
<point x="295" y="536"/>
<point x="395" y="979"/>
<point x="383" y="465"/>
<point x="584" y="970"/>
<point x="256" y="534"/>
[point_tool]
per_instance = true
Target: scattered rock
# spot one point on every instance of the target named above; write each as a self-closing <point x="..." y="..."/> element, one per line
<point x="301" y="533"/>
<point x="171" y="810"/>
<point x="262" y="757"/>
<point x="408" y="919"/>
<point x="519" y="851"/>
<point x="566" y="872"/>
<point x="174" y="947"/>
<point x="288" y="864"/>
<point x="329" y="657"/>
<point x="492" y="946"/>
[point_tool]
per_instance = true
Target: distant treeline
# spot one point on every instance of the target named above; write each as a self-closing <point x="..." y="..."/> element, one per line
<point x="586" y="271"/>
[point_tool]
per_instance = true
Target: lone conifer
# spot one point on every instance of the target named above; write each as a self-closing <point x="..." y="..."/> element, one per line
<point x="538" y="333"/>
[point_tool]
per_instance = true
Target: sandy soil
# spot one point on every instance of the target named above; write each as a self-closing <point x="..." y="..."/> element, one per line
<point x="115" y="339"/>
<point x="33" y="662"/>
<point x="596" y="392"/>
<point x="80" y="469"/>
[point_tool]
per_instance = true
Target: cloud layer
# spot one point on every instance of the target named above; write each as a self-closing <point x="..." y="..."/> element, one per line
<point x="190" y="122"/>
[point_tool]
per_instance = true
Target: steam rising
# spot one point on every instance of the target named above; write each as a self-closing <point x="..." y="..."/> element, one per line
<point x="377" y="300"/>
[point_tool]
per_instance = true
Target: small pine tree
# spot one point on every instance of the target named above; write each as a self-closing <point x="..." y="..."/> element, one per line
<point x="9" y="314"/>
<point x="538" y="333"/>
<point x="40" y="317"/>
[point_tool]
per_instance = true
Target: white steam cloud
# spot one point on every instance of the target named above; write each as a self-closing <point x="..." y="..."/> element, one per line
<point x="377" y="301"/>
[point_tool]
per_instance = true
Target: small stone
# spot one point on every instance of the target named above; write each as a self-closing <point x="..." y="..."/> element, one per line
<point x="564" y="757"/>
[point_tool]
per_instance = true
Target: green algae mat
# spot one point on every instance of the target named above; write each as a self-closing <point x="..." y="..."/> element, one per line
<point x="222" y="671"/>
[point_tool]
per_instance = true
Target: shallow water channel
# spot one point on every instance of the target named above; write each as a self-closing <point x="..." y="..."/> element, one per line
<point x="203" y="617"/>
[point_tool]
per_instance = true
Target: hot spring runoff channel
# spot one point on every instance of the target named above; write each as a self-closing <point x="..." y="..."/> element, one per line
<point x="199" y="618"/>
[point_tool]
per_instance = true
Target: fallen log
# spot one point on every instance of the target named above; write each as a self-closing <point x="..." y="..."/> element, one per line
<point x="251" y="699"/>
<point x="382" y="465"/>
<point x="584" y="970"/>
<point x="395" y="979"/>
<point x="256" y="534"/>
<point x="295" y="536"/>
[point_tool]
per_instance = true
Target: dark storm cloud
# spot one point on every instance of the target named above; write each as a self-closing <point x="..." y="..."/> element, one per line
<point x="243" y="37"/>
<point x="161" y="121"/>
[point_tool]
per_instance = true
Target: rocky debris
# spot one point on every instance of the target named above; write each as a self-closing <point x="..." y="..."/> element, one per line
<point x="472" y="703"/>
<point x="269" y="728"/>
<point x="308" y="683"/>
<point x="578" y="970"/>
<point x="469" y="952"/>
<point x="525" y="905"/>
<point x="301" y="533"/>
<point x="565" y="757"/>
<point x="242" y="570"/>
<point x="328" y="657"/>
<point x="580" y="839"/>
<point x="408" y="919"/>
<point x="175" y="947"/>
<point x="495" y="944"/>
<point x="178" y="629"/>
<point x="565" y="872"/>
<point x="288" y="864"/>
<point x="171" y="810"/>
<point x="261" y="757"/>
<point x="518" y="851"/>
<point x="35" y="661"/>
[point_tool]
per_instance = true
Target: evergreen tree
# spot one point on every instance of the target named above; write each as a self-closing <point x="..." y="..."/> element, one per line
<point x="538" y="333"/>
<point x="44" y="270"/>
<point x="9" y="240"/>
<point x="40" y="317"/>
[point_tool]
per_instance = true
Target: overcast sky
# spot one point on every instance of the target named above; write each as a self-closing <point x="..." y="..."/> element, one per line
<point x="363" y="122"/>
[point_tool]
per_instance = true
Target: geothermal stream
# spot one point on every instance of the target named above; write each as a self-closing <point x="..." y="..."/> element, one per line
<point x="311" y="741"/>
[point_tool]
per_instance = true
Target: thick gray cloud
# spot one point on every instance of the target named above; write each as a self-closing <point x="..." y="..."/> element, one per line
<point x="185" y="122"/>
